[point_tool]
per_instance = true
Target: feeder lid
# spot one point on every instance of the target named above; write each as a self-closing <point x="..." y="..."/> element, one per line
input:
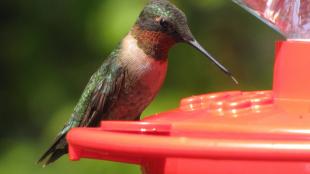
<point x="252" y="114"/>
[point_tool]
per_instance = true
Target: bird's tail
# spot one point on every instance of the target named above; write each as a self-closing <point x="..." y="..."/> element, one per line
<point x="57" y="149"/>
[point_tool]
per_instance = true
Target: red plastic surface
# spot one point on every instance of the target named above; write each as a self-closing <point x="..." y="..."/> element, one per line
<point x="229" y="132"/>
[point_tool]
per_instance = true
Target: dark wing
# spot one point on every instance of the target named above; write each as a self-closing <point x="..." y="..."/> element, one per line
<point x="103" y="98"/>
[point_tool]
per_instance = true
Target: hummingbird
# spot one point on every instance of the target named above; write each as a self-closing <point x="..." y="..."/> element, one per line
<point x="132" y="75"/>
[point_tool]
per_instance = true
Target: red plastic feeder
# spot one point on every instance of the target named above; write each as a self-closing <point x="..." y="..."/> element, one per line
<point x="230" y="132"/>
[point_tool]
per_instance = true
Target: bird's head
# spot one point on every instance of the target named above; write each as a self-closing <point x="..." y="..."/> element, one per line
<point x="160" y="26"/>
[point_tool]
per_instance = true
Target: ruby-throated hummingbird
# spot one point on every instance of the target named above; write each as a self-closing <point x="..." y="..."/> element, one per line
<point x="133" y="73"/>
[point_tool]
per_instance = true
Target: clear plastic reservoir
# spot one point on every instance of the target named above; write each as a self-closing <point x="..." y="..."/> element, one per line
<point x="289" y="17"/>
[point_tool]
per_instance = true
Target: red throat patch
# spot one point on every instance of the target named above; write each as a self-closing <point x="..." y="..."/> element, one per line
<point x="154" y="43"/>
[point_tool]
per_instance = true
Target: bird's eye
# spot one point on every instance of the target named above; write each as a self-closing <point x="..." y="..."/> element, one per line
<point x="163" y="23"/>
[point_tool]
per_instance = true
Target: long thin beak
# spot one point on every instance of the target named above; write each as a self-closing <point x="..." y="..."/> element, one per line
<point x="197" y="46"/>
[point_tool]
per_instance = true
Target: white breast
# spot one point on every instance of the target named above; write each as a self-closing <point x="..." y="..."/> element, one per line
<point x="145" y="76"/>
<point x="147" y="70"/>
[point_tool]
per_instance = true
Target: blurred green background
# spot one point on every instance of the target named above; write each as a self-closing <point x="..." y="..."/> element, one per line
<point x="49" y="49"/>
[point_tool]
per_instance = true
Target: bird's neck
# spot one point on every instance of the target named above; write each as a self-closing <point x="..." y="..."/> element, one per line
<point x="154" y="43"/>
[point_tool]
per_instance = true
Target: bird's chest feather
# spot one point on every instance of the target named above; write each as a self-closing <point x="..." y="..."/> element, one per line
<point x="144" y="77"/>
<point x="142" y="69"/>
